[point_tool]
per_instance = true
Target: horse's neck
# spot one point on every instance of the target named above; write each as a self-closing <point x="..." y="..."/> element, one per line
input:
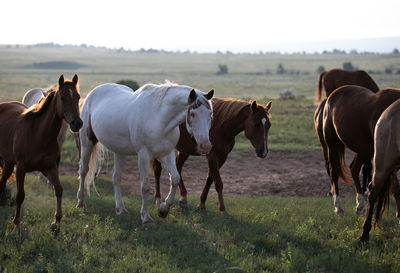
<point x="50" y="122"/>
<point x="173" y="114"/>
<point x="235" y="124"/>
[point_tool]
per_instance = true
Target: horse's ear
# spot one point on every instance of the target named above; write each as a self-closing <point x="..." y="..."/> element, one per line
<point x="61" y="80"/>
<point x="192" y="96"/>
<point x="253" y="106"/>
<point x="75" y="79"/>
<point x="210" y="94"/>
<point x="268" y="107"/>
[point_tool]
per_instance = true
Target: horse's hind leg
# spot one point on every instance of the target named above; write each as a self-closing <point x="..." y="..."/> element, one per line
<point x="119" y="161"/>
<point x="8" y="169"/>
<point x="86" y="151"/>
<point x="367" y="175"/>
<point x="143" y="162"/>
<point x="395" y="189"/>
<point x="157" y="168"/>
<point x="355" y="168"/>
<point x="180" y="161"/>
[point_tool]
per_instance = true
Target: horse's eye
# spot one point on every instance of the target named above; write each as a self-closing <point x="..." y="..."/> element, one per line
<point x="257" y="125"/>
<point x="192" y="115"/>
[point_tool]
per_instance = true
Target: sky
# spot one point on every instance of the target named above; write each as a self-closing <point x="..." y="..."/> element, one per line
<point x="202" y="25"/>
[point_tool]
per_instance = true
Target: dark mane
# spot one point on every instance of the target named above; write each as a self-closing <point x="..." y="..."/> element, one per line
<point x="226" y="109"/>
<point x="37" y="109"/>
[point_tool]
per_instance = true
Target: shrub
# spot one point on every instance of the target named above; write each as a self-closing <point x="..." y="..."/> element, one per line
<point x="130" y="83"/>
<point x="348" y="66"/>
<point x="223" y="69"/>
<point x="320" y="69"/>
<point x="280" y="69"/>
<point x="287" y="95"/>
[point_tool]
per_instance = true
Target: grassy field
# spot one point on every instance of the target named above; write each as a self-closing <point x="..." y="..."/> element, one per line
<point x="263" y="234"/>
<point x="270" y="234"/>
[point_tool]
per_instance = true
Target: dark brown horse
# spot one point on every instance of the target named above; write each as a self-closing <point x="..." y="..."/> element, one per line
<point x="386" y="164"/>
<point x="28" y="139"/>
<point x="230" y="117"/>
<point x="349" y="117"/>
<point x="332" y="79"/>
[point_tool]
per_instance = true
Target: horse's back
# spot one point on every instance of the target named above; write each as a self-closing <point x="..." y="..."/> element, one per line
<point x="336" y="78"/>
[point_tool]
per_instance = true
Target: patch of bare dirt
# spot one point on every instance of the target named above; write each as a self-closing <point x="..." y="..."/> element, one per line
<point x="281" y="173"/>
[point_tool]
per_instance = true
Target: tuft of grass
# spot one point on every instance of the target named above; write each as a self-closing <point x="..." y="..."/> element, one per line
<point x="261" y="234"/>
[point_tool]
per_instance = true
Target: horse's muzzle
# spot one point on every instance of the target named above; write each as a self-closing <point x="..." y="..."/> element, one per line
<point x="76" y="124"/>
<point x="204" y="146"/>
<point x="261" y="152"/>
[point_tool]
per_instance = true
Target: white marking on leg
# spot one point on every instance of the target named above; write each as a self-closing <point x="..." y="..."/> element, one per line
<point x="338" y="204"/>
<point x="360" y="200"/>
<point x="264" y="120"/>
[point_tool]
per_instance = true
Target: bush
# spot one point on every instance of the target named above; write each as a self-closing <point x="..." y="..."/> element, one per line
<point x="223" y="69"/>
<point x="320" y="69"/>
<point x="132" y="84"/>
<point x="349" y="66"/>
<point x="287" y="95"/>
<point x="280" y="69"/>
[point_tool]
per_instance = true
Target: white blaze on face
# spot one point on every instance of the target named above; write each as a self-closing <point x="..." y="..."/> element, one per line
<point x="200" y="122"/>
<point x="264" y="120"/>
<point x="71" y="93"/>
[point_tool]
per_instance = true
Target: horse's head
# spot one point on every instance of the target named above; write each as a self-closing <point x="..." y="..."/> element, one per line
<point x="198" y="119"/>
<point x="256" y="127"/>
<point x="68" y="102"/>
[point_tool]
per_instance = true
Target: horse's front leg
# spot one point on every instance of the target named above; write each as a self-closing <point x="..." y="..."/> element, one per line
<point x="119" y="161"/>
<point x="170" y="164"/>
<point x="20" y="176"/>
<point x="143" y="162"/>
<point x="53" y="177"/>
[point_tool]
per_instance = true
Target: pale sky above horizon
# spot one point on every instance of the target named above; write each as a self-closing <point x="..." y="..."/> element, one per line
<point x="195" y="25"/>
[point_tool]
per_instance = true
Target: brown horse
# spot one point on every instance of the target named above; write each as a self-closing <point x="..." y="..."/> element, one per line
<point x="332" y="79"/>
<point x="28" y="139"/>
<point x="349" y="117"/>
<point x="386" y="164"/>
<point x="230" y="117"/>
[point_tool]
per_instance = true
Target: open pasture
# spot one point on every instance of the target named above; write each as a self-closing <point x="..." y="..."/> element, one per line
<point x="281" y="233"/>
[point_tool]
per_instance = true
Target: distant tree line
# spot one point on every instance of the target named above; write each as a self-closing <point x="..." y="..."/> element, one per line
<point x="227" y="52"/>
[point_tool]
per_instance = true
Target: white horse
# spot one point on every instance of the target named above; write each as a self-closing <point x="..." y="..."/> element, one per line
<point x="144" y="122"/>
<point x="34" y="96"/>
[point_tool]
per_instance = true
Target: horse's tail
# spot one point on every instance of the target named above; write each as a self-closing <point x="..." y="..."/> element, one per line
<point x="337" y="164"/>
<point x="383" y="199"/>
<point x="95" y="162"/>
<point x="318" y="92"/>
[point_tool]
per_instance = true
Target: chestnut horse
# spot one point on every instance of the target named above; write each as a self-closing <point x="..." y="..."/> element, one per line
<point x="34" y="96"/>
<point x="386" y="164"/>
<point x="230" y="117"/>
<point x="335" y="78"/>
<point x="28" y="139"/>
<point x="349" y="117"/>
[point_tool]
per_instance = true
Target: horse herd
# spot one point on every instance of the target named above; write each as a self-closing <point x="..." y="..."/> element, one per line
<point x="155" y="120"/>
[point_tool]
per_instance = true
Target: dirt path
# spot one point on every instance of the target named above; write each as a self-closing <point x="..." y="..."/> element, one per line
<point x="280" y="173"/>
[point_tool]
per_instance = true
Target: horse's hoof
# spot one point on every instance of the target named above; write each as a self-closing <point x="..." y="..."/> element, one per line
<point x="81" y="205"/>
<point x="55" y="228"/>
<point x="148" y="221"/>
<point x="222" y="209"/>
<point x="121" y="212"/>
<point x="364" y="238"/>
<point x="339" y="211"/>
<point x="157" y="201"/>
<point x="163" y="210"/>
<point x="201" y="207"/>
<point x="183" y="203"/>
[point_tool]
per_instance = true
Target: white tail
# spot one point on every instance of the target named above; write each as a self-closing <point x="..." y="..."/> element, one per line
<point x="95" y="163"/>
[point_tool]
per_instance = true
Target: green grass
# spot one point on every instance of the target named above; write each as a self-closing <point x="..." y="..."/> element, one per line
<point x="262" y="234"/>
